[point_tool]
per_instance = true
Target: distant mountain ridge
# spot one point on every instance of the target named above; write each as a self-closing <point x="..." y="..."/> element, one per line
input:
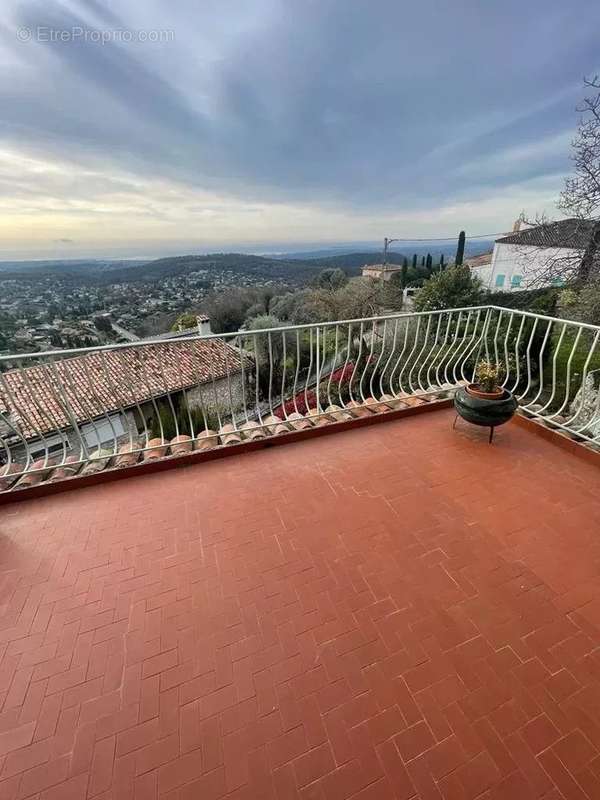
<point x="268" y="268"/>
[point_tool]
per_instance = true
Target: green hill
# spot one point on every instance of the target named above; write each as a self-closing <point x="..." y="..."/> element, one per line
<point x="261" y="268"/>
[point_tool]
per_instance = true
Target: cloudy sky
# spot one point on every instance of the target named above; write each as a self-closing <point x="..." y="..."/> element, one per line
<point x="148" y="127"/>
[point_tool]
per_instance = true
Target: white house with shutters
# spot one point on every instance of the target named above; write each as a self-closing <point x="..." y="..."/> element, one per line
<point x="521" y="259"/>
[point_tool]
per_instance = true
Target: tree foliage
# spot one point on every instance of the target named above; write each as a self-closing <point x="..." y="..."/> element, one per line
<point x="229" y="309"/>
<point x="583" y="305"/>
<point x="332" y="279"/>
<point x="103" y="324"/>
<point x="185" y="322"/>
<point x="455" y="287"/>
<point x="303" y="307"/>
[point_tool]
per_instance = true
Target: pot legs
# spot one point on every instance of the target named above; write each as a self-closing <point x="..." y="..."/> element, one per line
<point x="492" y="428"/>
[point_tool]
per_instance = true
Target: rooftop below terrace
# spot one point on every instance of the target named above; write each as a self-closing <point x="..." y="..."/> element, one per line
<point x="396" y="611"/>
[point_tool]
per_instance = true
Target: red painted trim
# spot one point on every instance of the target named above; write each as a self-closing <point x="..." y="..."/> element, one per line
<point x="197" y="456"/>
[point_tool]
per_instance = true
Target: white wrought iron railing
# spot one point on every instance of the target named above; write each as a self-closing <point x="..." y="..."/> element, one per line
<point x="66" y="411"/>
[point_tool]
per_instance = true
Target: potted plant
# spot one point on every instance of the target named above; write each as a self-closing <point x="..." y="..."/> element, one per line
<point x="488" y="381"/>
<point x="485" y="401"/>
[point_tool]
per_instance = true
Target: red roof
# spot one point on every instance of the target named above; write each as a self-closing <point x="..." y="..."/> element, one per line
<point x="105" y="381"/>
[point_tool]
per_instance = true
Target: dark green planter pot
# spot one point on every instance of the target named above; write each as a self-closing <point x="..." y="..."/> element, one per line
<point x="486" y="412"/>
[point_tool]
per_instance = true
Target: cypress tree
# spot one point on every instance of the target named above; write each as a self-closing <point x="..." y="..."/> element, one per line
<point x="428" y="261"/>
<point x="441" y="262"/>
<point x="414" y="260"/>
<point x="460" y="250"/>
<point x="422" y="261"/>
<point x="404" y="273"/>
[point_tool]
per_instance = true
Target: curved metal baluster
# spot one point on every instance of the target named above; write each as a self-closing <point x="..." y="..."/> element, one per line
<point x="506" y="356"/>
<point x="297" y="372"/>
<point x="213" y="380"/>
<point x="81" y="398"/>
<point x="451" y="351"/>
<point x="6" y="418"/>
<point x="417" y="362"/>
<point x="463" y="347"/>
<point x="497" y="331"/>
<point x="480" y="342"/>
<point x="376" y="367"/>
<point x="486" y="330"/>
<point x="151" y="394"/>
<point x="517" y="362"/>
<point x="307" y="381"/>
<point x="346" y="362"/>
<point x="399" y="359"/>
<point x="100" y="404"/>
<point x="556" y="352"/>
<point x="242" y="349"/>
<point x="69" y="412"/>
<point x="442" y="353"/>
<point x="270" y="350"/>
<point x="471" y="347"/>
<point x="256" y="381"/>
<point x="5" y="468"/>
<point x="528" y="355"/>
<point x="318" y="371"/>
<point x="541" y="367"/>
<point x="357" y="362"/>
<point x="408" y="360"/>
<point x="44" y="409"/>
<point x="167" y="388"/>
<point x="229" y="393"/>
<point x="332" y="370"/>
<point x="183" y="382"/>
<point x="283" y="373"/>
<point x="117" y="395"/>
<point x="387" y="363"/>
<point x="569" y="422"/>
<point x="429" y="361"/>
<point x="568" y="376"/>
<point x="367" y="364"/>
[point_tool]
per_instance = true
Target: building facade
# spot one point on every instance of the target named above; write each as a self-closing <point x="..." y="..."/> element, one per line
<point x="533" y="257"/>
<point x="382" y="272"/>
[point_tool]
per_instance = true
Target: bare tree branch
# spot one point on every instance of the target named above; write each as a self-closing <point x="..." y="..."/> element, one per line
<point x="577" y="261"/>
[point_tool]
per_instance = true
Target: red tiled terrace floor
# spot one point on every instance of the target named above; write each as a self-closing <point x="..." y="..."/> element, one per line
<point x="392" y="612"/>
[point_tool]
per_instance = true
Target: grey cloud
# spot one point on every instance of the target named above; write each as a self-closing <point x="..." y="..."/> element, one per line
<point x="349" y="103"/>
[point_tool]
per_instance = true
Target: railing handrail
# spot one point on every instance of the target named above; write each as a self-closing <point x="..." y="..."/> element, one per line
<point x="230" y="334"/>
<point x="159" y="396"/>
<point x="54" y="354"/>
<point x="546" y="317"/>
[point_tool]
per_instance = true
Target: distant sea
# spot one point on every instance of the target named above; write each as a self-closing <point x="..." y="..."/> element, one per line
<point x="294" y="250"/>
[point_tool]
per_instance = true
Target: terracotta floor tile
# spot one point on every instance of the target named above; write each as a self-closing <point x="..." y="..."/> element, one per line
<point x="396" y="611"/>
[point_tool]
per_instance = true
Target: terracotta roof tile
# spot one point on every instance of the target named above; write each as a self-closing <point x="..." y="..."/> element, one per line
<point x="106" y="381"/>
<point x="572" y="232"/>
